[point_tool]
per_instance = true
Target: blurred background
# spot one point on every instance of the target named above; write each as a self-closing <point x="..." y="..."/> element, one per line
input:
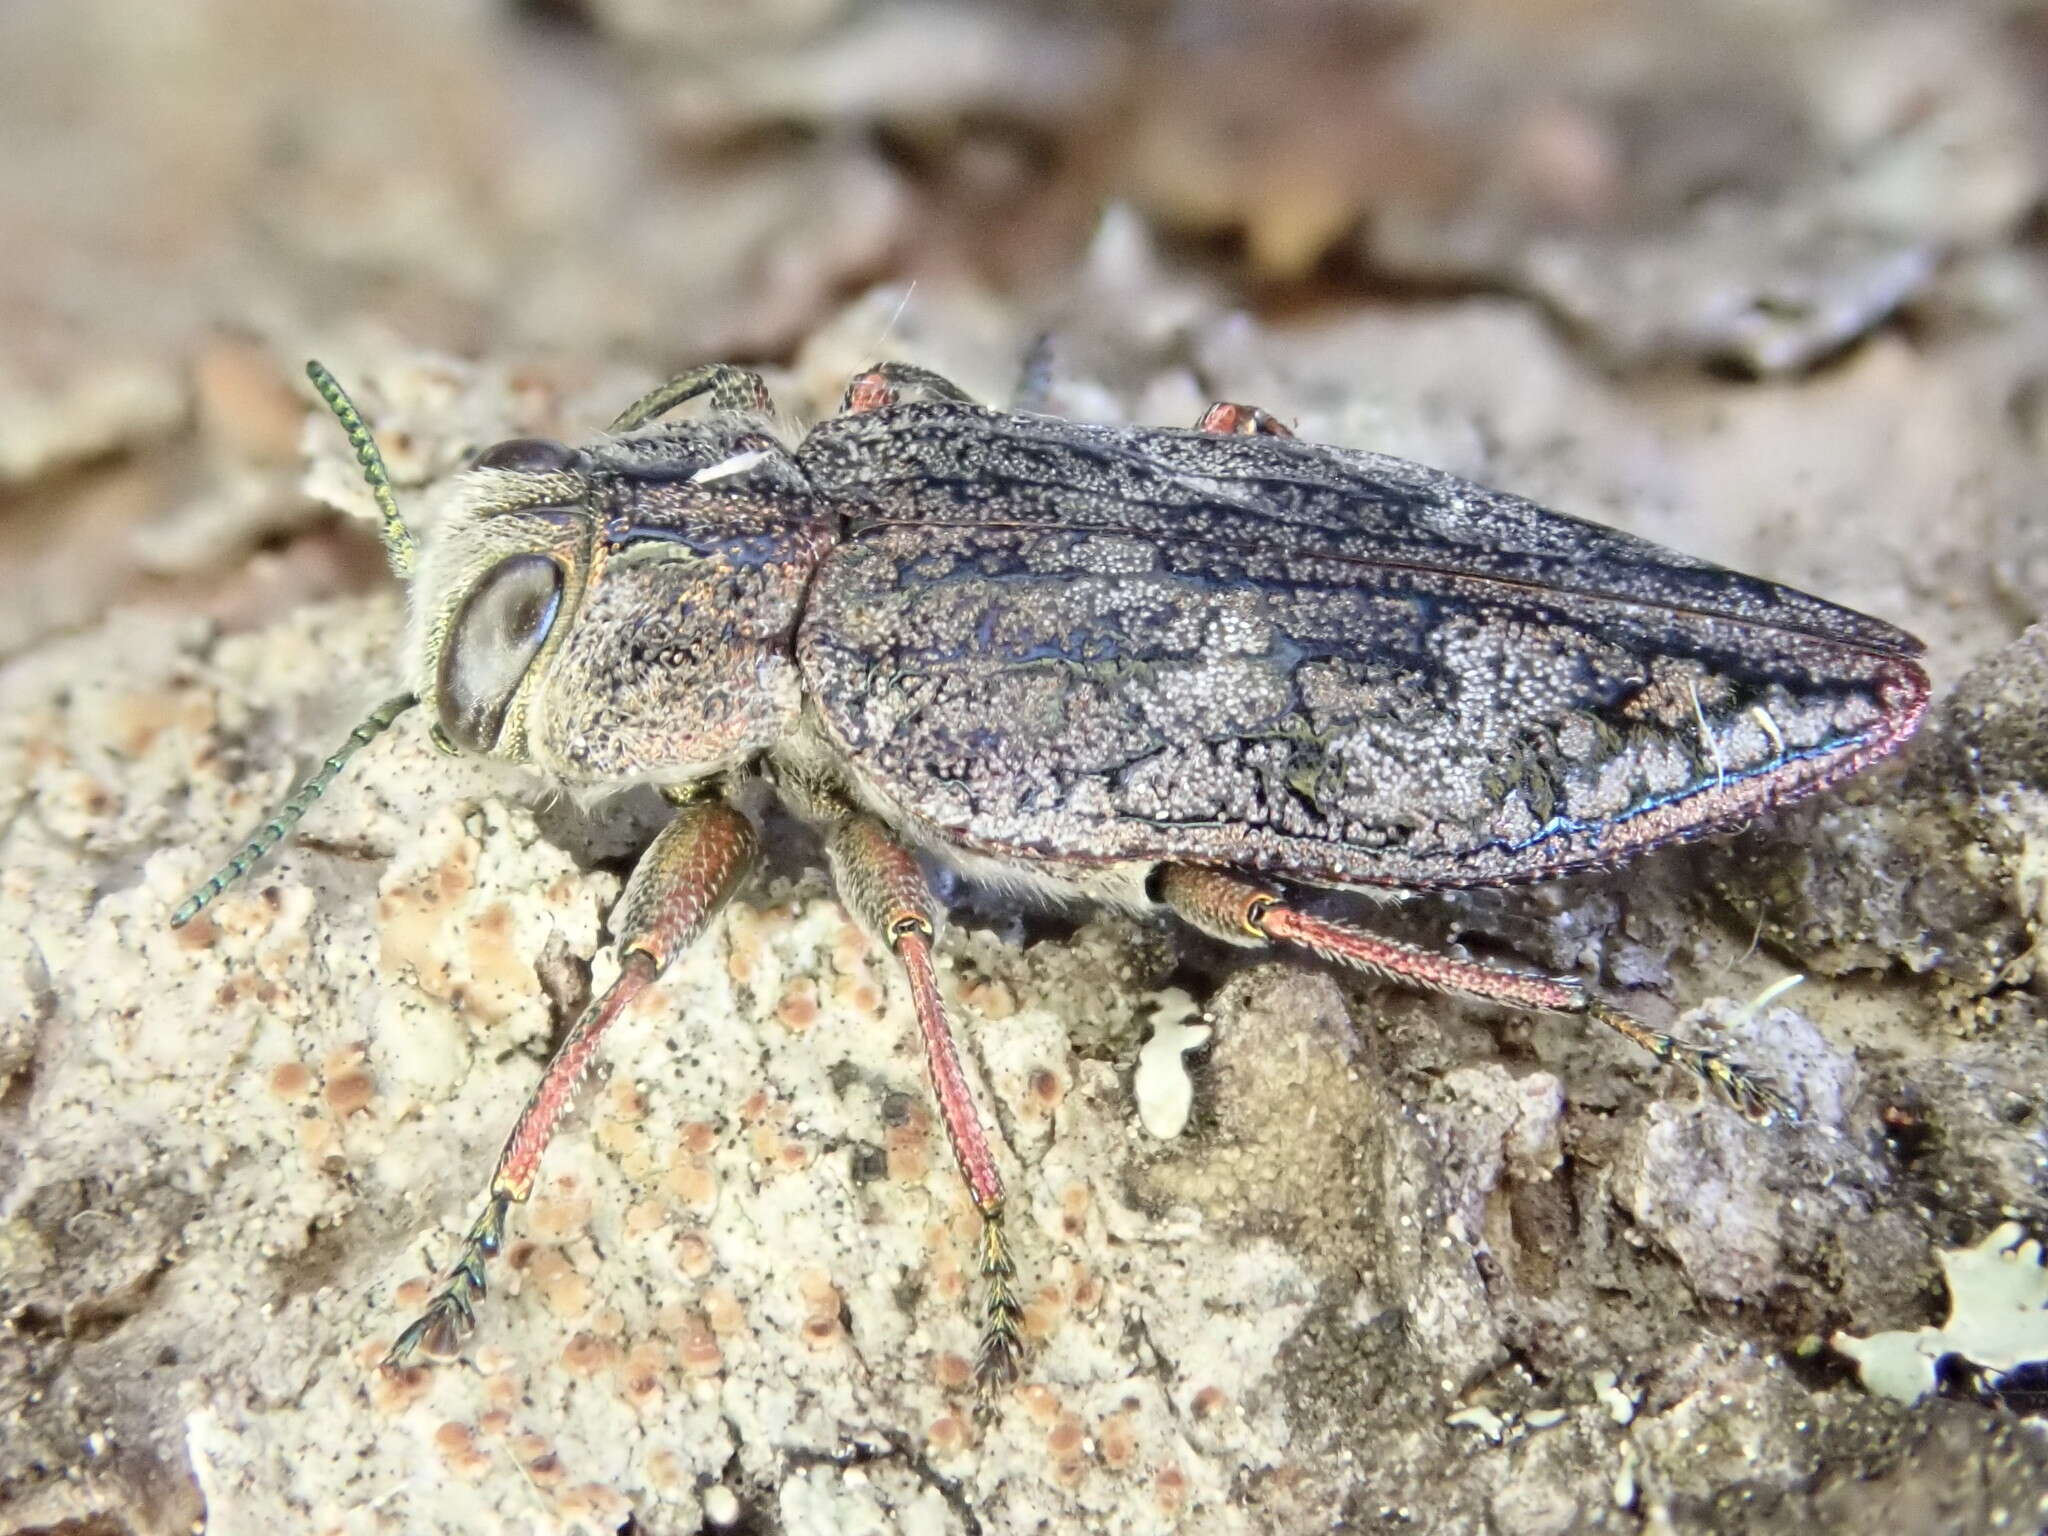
<point x="1762" y="278"/>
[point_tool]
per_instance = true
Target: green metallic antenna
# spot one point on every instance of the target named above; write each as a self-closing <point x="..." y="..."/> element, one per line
<point x="398" y="542"/>
<point x="271" y="833"/>
<point x="399" y="546"/>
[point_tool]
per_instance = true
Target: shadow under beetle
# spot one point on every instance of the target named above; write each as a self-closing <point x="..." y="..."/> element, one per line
<point x="1154" y="668"/>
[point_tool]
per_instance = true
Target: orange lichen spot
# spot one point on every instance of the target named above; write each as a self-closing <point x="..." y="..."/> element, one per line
<point x="496" y="1423"/>
<point x="990" y="998"/>
<point x="1043" y="1314"/>
<point x="822" y="1333"/>
<point x="528" y="1446"/>
<point x="1075" y="1199"/>
<point x="586" y="1354"/>
<point x="1170" y="1488"/>
<point x="492" y="1358"/>
<point x="948" y="1435"/>
<point x="1043" y="1091"/>
<point x="723" y="1311"/>
<point x="411" y="1295"/>
<point x="291" y="1080"/>
<point x="396" y="1389"/>
<point x="944" y="1261"/>
<point x="458" y="1448"/>
<point x="695" y="1255"/>
<point x="952" y="1371"/>
<point x="566" y="1293"/>
<point x="1087" y="1289"/>
<point x="499" y="978"/>
<point x="793" y="1156"/>
<point x="198" y="934"/>
<point x="318" y="1139"/>
<point x="697" y="1349"/>
<point x="1208" y="1402"/>
<point x="906" y="1161"/>
<point x="640" y="1373"/>
<point x="693" y="1184"/>
<point x="644" y="1218"/>
<point x="621" y="1140"/>
<point x="849" y="949"/>
<point x="1067" y="1443"/>
<point x="797" y="1008"/>
<point x="1117" y="1437"/>
<point x="349" y="1092"/>
<point x="556" y="1220"/>
<point x="1039" y="1401"/>
<point x="755" y="1105"/>
<point x="610" y="1323"/>
<point x="667" y="1473"/>
<point x="858" y="993"/>
<point x="623" y="1100"/>
<point x="699" y="1138"/>
<point x="546" y="1470"/>
<point x="766" y="1142"/>
<point x="597" y="1504"/>
<point x="503" y="1389"/>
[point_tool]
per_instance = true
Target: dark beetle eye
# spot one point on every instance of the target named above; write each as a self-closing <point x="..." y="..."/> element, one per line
<point x="498" y="631"/>
<point x="526" y="455"/>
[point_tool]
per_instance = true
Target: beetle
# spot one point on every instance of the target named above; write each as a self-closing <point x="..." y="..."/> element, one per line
<point x="1190" y="671"/>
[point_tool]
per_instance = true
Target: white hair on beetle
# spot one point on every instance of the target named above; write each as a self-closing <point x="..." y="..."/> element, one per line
<point x="738" y="464"/>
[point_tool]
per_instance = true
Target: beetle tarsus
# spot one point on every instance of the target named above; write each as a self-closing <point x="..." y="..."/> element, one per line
<point x="449" y="1318"/>
<point x="1000" y="1358"/>
<point x="1742" y="1090"/>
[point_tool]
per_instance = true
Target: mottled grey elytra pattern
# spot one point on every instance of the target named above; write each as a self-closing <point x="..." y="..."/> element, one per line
<point x="1088" y="643"/>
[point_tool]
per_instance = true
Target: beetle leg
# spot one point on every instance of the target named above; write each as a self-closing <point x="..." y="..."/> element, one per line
<point x="881" y="883"/>
<point x="884" y="384"/>
<point x="1241" y="912"/>
<point x="678" y="887"/>
<point x="736" y="391"/>
<point x="1230" y="420"/>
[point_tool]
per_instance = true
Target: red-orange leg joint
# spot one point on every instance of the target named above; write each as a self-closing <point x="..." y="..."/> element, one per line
<point x="869" y="391"/>
<point x="1227" y="419"/>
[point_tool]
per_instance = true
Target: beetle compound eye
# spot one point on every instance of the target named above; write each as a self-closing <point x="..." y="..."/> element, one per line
<point x="499" y="630"/>
<point x="526" y="456"/>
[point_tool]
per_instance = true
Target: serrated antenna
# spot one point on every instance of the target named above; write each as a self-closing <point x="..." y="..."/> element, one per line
<point x="398" y="540"/>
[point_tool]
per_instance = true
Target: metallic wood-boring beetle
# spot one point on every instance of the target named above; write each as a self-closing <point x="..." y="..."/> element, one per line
<point x="1160" y="669"/>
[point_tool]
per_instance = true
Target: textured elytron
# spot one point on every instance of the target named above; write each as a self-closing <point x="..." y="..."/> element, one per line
<point x="1089" y="643"/>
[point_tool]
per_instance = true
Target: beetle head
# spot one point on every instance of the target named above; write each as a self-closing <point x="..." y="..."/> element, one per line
<point x="620" y="612"/>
